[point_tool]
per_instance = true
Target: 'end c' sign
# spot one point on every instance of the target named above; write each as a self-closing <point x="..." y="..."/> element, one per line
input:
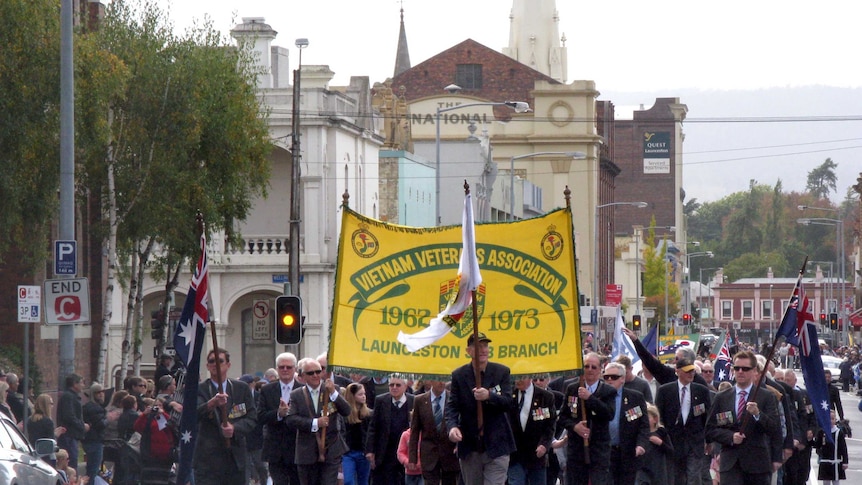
<point x="67" y="301"/>
<point x="68" y="308"/>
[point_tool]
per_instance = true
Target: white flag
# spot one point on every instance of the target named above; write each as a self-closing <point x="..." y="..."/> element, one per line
<point x="469" y="278"/>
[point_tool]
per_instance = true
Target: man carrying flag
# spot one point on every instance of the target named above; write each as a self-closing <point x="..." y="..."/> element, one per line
<point x="799" y="329"/>
<point x="469" y="279"/>
<point x="188" y="341"/>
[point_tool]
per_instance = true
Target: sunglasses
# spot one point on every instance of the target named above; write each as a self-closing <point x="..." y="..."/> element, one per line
<point x="742" y="368"/>
<point x="212" y="361"/>
<point x="316" y="372"/>
<point x="285" y="367"/>
<point x="611" y="377"/>
<point x="392" y="384"/>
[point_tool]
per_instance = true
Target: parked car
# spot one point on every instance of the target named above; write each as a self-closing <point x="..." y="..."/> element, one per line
<point x="832" y="364"/>
<point x="20" y="463"/>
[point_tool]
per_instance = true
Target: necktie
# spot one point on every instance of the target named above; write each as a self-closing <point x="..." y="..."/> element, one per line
<point x="398" y="404"/>
<point x="683" y="407"/>
<point x="523" y="414"/>
<point x="740" y="407"/>
<point x="315" y="394"/>
<point x="438" y="410"/>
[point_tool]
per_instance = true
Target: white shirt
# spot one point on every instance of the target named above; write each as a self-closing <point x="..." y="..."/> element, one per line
<point x="525" y="408"/>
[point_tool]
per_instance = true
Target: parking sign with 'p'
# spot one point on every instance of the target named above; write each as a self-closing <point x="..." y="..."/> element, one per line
<point x="65" y="258"/>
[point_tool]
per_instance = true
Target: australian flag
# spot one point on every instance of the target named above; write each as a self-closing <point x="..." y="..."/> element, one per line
<point x="812" y="373"/>
<point x="649" y="340"/>
<point x="721" y="361"/>
<point x="797" y="312"/>
<point x="188" y="342"/>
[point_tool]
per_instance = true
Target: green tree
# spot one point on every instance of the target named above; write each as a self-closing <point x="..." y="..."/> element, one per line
<point x="184" y="116"/>
<point x="822" y="180"/>
<point x="29" y="125"/>
<point x="658" y="277"/>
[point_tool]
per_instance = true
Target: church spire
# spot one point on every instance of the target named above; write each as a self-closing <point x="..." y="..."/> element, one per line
<point x="402" y="57"/>
<point x="534" y="37"/>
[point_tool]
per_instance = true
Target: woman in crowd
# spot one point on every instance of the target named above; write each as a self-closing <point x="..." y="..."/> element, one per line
<point x="157" y="442"/>
<point x="113" y="443"/>
<point x="4" y="408"/>
<point x="40" y="424"/>
<point x="355" y="466"/>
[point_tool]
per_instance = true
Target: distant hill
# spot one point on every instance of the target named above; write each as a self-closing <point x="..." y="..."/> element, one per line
<point x="766" y="135"/>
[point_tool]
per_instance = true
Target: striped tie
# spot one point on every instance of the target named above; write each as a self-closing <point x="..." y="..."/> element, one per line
<point x="740" y="407"/>
<point x="438" y="410"/>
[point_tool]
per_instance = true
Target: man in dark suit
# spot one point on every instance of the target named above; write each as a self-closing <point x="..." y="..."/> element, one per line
<point x="533" y="420"/>
<point x="660" y="372"/>
<point x="798" y="467"/>
<point x="629" y="429"/>
<point x="70" y="415"/>
<point x="483" y="451"/>
<point x="554" y="467"/>
<point x="391" y="418"/>
<point x="313" y="412"/>
<point x="279" y="440"/>
<point x="744" y="425"/>
<point x="588" y="409"/>
<point x="220" y="452"/>
<point x="428" y="437"/>
<point x="683" y="406"/>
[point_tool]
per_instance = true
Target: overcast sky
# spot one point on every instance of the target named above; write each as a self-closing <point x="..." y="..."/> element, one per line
<point x="661" y="48"/>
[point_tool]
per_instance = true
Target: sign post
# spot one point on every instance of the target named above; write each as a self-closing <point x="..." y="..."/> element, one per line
<point x="29" y="310"/>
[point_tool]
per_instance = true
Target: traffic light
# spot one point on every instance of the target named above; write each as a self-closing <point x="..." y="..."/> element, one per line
<point x="288" y="319"/>
<point x="823" y="320"/>
<point x="157" y="323"/>
<point x="833" y="321"/>
<point x="636" y="322"/>
<point x="686" y="319"/>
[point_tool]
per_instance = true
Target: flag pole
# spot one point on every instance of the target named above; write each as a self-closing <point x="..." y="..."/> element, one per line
<point x="222" y="409"/>
<point x="477" y="373"/>
<point x="778" y="337"/>
<point x="567" y="194"/>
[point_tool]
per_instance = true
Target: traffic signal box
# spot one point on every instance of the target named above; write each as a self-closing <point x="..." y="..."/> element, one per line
<point x="823" y="320"/>
<point x="686" y="319"/>
<point x="288" y="320"/>
<point x="636" y="322"/>
<point x="157" y="323"/>
<point x="833" y="321"/>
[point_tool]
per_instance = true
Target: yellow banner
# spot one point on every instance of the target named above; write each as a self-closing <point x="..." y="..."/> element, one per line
<point x="394" y="278"/>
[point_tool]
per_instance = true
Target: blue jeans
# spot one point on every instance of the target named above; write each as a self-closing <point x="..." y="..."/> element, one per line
<point x="413" y="480"/>
<point x="94" y="450"/>
<point x="355" y="467"/>
<point x="521" y="475"/>
<point x="71" y="446"/>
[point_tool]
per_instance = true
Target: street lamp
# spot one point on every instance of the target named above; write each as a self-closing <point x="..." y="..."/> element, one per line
<point x="518" y="106"/>
<point x="830" y="284"/>
<point x="639" y="205"/>
<point x="839" y="241"/>
<point x="700" y="292"/>
<point x="296" y="163"/>
<point x="688" y="257"/>
<point x="574" y="155"/>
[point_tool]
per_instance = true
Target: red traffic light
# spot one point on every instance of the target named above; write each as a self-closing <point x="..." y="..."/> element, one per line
<point x="686" y="319"/>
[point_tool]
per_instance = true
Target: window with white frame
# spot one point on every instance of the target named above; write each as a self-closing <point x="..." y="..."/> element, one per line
<point x="726" y="309"/>
<point x="748" y="309"/>
<point x="766" y="309"/>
